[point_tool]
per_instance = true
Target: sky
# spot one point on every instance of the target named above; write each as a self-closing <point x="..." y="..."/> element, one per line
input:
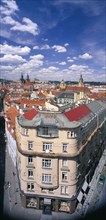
<point x="53" y="39"/>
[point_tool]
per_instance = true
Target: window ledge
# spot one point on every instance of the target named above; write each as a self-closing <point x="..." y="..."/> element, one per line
<point x="47" y="183"/>
<point x="65" y="168"/>
<point x="30" y="166"/>
<point x="65" y="194"/>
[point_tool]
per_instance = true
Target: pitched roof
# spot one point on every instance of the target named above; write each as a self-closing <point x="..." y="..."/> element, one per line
<point x="78" y="89"/>
<point x="12" y="113"/>
<point x="28" y="84"/>
<point x="30" y="114"/>
<point x="77" y="113"/>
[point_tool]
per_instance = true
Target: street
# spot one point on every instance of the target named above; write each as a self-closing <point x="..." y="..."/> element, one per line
<point x="2" y="163"/>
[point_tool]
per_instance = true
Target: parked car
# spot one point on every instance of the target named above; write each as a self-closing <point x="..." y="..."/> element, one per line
<point x="101" y="180"/>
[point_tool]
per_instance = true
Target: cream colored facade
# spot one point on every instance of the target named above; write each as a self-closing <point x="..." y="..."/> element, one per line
<point x="55" y="156"/>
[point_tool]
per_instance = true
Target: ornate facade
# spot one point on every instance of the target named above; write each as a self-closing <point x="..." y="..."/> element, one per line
<point x="57" y="152"/>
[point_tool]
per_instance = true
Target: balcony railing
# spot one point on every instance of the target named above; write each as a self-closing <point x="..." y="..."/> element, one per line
<point x="51" y="134"/>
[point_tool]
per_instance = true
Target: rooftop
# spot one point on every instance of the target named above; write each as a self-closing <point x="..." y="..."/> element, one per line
<point x="30" y="114"/>
<point x="77" y="113"/>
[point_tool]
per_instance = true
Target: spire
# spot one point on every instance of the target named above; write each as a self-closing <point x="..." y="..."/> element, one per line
<point x="81" y="77"/>
<point x="28" y="78"/>
<point x="22" y="78"/>
<point x="81" y="81"/>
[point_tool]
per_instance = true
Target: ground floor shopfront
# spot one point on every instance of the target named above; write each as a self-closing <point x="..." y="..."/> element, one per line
<point x="53" y="204"/>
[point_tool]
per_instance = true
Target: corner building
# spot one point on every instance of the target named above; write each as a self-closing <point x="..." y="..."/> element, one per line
<point x="57" y="152"/>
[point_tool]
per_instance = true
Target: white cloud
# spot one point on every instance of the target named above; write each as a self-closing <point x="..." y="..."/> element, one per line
<point x="43" y="47"/>
<point x="35" y="62"/>
<point x="8" y="20"/>
<point x="7" y="11"/>
<point x="59" y="49"/>
<point x="29" y="67"/>
<point x="29" y="26"/>
<point x="36" y="48"/>
<point x="66" y="44"/>
<point x="9" y="7"/>
<point x="37" y="57"/>
<point x="12" y="59"/>
<point x="104" y="67"/>
<point x="78" y="67"/>
<point x="44" y="39"/>
<point x="74" y="58"/>
<point x="50" y="69"/>
<point x="62" y="63"/>
<point x="69" y="59"/>
<point x="9" y="49"/>
<point x="85" y="56"/>
<point x="6" y="68"/>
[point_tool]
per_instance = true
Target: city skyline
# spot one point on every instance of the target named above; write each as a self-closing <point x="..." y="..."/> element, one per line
<point x="53" y="40"/>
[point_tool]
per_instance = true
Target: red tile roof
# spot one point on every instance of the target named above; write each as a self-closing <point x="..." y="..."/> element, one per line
<point x="78" y="89"/>
<point x="12" y="113"/>
<point x="28" y="84"/>
<point x="30" y="114"/>
<point x="77" y="113"/>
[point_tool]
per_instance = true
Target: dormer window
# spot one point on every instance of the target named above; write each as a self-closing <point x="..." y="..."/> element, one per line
<point x="45" y="130"/>
<point x="71" y="134"/>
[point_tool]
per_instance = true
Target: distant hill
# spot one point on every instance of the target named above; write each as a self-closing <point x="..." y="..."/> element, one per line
<point x="6" y="81"/>
<point x="85" y="82"/>
<point x="67" y="82"/>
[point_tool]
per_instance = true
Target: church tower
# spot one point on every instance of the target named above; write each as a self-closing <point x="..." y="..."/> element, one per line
<point x="81" y="81"/>
<point x="63" y="85"/>
<point x="27" y="79"/>
<point x="22" y="79"/>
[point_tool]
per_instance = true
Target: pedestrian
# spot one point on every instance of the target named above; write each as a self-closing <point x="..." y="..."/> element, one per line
<point x="9" y="184"/>
<point x="14" y="174"/>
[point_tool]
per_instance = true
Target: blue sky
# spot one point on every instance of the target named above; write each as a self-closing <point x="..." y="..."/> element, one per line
<point x="53" y="39"/>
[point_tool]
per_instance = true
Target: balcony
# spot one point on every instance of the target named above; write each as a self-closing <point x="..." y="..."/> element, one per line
<point x="49" y="134"/>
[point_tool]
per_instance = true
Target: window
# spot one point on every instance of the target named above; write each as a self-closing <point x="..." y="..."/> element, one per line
<point x="64" y="176"/>
<point x="30" y="173"/>
<point x="30" y="145"/>
<point x="65" y="147"/>
<point x="30" y="159"/>
<point x="30" y="186"/>
<point x="45" y="130"/>
<point x="25" y="131"/>
<point x="43" y="190"/>
<point x="47" y="146"/>
<point x="64" y="163"/>
<point x="70" y="134"/>
<point x="64" y="189"/>
<point x="50" y="190"/>
<point x="46" y="178"/>
<point x="46" y="163"/>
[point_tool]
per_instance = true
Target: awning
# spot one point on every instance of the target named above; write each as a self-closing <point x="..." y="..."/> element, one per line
<point x="79" y="198"/>
<point x="85" y="185"/>
<point x="47" y="201"/>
